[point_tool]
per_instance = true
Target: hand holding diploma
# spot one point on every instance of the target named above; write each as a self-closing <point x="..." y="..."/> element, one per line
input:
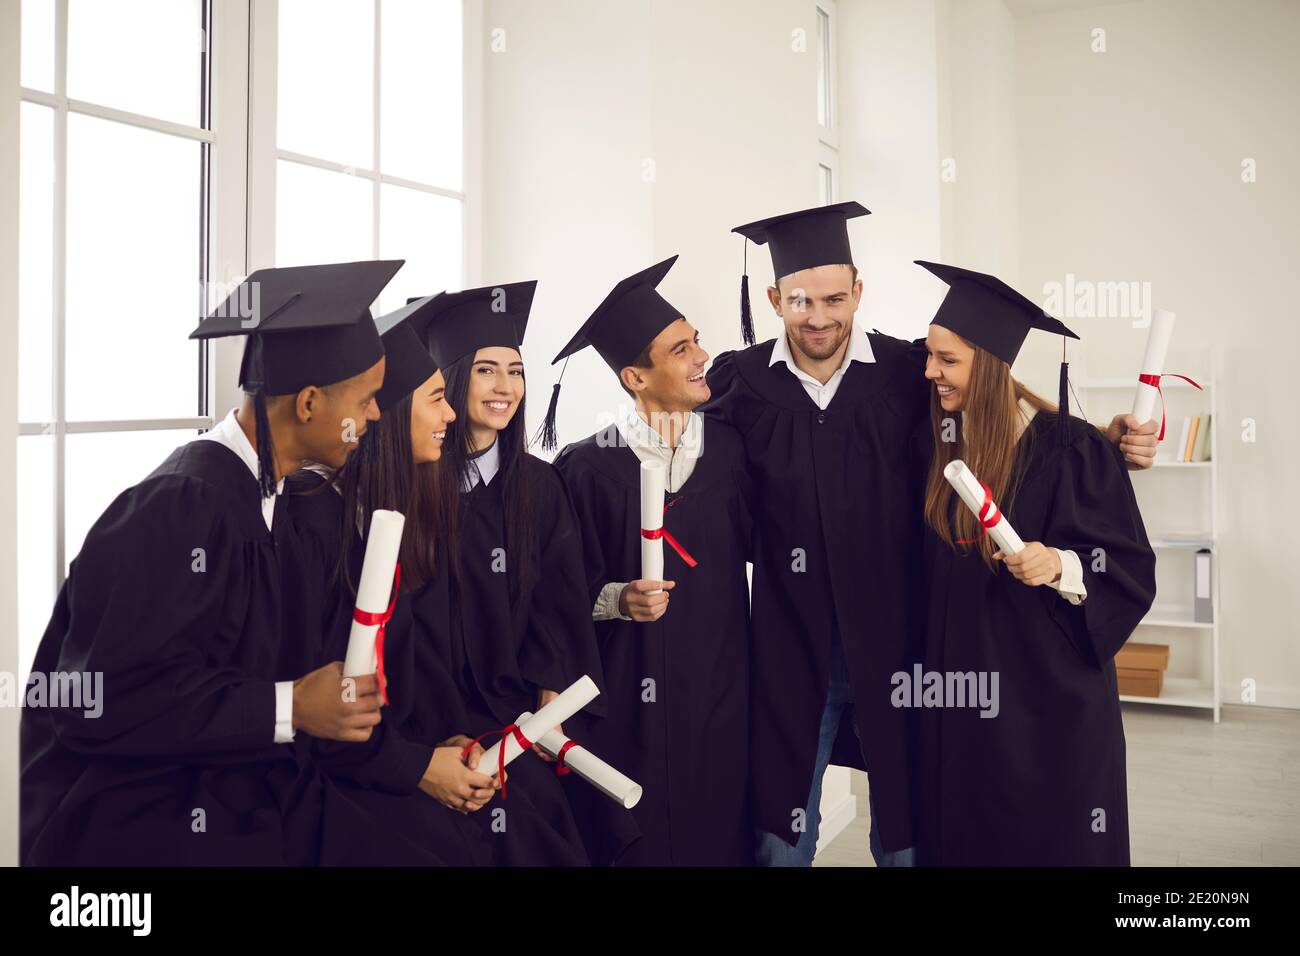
<point x="645" y="601"/>
<point x="1036" y="564"/>
<point x="455" y="782"/>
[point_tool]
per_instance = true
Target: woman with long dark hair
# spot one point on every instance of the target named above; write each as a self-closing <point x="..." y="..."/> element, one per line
<point x="1022" y="746"/>
<point x="410" y="774"/>
<point x="517" y="609"/>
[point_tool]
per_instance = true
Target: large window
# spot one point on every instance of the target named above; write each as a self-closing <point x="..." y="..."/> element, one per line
<point x="144" y="174"/>
<point x="828" y="136"/>
<point x="368" y="141"/>
<point x="115" y="150"/>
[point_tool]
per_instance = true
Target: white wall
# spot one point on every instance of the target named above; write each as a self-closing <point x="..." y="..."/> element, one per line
<point x="618" y="134"/>
<point x="1130" y="168"/>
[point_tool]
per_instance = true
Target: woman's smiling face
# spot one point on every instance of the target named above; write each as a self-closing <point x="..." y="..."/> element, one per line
<point x="430" y="416"/>
<point x="948" y="366"/>
<point x="496" y="387"/>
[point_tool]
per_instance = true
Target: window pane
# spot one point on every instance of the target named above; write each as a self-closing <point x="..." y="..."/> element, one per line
<point x="425" y="230"/>
<point x="37" y="51"/>
<point x="823" y="68"/>
<point x="36" y="265"/>
<point x="133" y="272"/>
<point x="420" y="91"/>
<point x="102" y="465"/>
<point x="325" y="99"/>
<point x="35" y="543"/>
<point x="321" y="216"/>
<point x="825" y="184"/>
<point x="137" y="55"/>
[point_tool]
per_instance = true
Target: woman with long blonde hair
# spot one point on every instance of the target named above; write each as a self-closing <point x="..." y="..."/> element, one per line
<point x="1022" y="746"/>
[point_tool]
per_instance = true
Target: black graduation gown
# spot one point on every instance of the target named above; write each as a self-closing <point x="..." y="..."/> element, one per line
<point x="373" y="812"/>
<point x="688" y="747"/>
<point x="1024" y="787"/>
<point x="187" y="643"/>
<point x="837" y="545"/>
<point x="499" y="657"/>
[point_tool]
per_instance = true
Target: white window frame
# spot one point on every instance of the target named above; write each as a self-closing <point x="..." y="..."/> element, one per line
<point x="59" y="427"/>
<point x="829" y="135"/>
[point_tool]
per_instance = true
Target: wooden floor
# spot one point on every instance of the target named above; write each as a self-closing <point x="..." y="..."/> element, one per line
<point x="1200" y="793"/>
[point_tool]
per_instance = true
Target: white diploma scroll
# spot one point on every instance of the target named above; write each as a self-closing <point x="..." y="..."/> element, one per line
<point x="374" y="589"/>
<point x="1147" y="397"/>
<point x="619" y="787"/>
<point x="653" y="481"/>
<point x="966" y="485"/>
<point x="569" y="701"/>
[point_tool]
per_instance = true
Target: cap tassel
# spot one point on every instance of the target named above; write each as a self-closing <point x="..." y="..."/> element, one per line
<point x="1063" y="401"/>
<point x="746" y="314"/>
<point x="265" y="451"/>
<point x="547" y="433"/>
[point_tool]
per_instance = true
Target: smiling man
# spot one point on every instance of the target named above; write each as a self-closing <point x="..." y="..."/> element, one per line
<point x="179" y="599"/>
<point x="674" y="652"/>
<point x="826" y="412"/>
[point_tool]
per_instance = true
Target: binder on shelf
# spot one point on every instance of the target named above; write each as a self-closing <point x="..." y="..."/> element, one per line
<point x="1203" y="606"/>
<point x="1202" y="449"/>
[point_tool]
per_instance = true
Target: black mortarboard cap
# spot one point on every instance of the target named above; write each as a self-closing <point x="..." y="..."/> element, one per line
<point x="627" y="320"/>
<point x="408" y="363"/>
<point x="456" y="324"/>
<point x="799" y="240"/>
<point x="988" y="313"/>
<point x="306" y="325"/>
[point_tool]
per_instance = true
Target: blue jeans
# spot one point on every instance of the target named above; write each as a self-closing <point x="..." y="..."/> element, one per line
<point x="771" y="850"/>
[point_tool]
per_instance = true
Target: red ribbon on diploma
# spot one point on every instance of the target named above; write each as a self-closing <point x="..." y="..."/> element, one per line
<point x="1154" y="382"/>
<point x="506" y="731"/>
<point x="989" y="515"/>
<point x="664" y="533"/>
<point x="560" y="768"/>
<point x="372" y="618"/>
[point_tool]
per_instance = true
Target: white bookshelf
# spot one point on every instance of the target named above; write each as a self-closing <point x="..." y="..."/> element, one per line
<point x="1172" y="623"/>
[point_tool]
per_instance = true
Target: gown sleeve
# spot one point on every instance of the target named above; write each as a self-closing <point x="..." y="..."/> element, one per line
<point x="724" y="383"/>
<point x="143" y="614"/>
<point x="1095" y="514"/>
<point x="560" y="645"/>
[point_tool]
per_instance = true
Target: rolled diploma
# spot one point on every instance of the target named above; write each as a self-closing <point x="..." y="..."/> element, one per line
<point x="619" y="787"/>
<point x="569" y="701"/>
<point x="653" y="480"/>
<point x="966" y="485"/>
<point x="1147" y="396"/>
<point x="374" y="589"/>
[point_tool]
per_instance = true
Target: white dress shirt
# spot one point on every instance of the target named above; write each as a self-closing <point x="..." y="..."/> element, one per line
<point x="483" y="467"/>
<point x="648" y="445"/>
<point x="859" y="351"/>
<point x="1070" y="584"/>
<point x="229" y="433"/>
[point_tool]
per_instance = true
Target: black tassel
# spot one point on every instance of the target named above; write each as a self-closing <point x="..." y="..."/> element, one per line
<point x="547" y="431"/>
<point x="1063" y="405"/>
<point x="746" y="314"/>
<point x="265" y="450"/>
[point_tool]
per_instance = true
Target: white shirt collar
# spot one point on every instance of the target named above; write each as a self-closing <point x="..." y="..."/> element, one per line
<point x="648" y="445"/>
<point x="859" y="350"/>
<point x="229" y="433"/>
<point x="485" y="467"/>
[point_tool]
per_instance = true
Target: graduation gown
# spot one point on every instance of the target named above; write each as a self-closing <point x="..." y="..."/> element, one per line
<point x="498" y="656"/>
<point x="373" y="812"/>
<point x="688" y="746"/>
<point x="1026" y="787"/>
<point x="837" y="542"/>
<point x="187" y="641"/>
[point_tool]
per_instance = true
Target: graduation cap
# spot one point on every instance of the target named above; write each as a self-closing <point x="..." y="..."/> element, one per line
<point x="456" y="324"/>
<point x="799" y="240"/>
<point x="987" y="312"/>
<point x="409" y="363"/>
<point x="306" y="325"/>
<point x="619" y="330"/>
